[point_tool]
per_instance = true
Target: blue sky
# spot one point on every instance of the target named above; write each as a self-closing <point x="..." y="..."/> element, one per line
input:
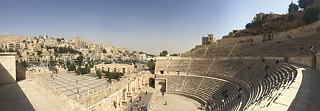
<point x="142" y="25"/>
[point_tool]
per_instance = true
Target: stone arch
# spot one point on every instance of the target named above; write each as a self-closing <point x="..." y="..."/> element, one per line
<point x="151" y="82"/>
<point x="162" y="86"/>
<point x="123" y="70"/>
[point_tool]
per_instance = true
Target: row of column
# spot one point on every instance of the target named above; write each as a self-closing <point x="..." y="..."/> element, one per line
<point x="129" y="91"/>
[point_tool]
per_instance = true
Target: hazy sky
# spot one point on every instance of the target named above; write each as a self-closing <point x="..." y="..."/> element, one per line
<point x="142" y="25"/>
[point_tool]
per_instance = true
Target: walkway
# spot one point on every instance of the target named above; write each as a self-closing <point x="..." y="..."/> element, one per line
<point x="302" y="95"/>
<point x="145" y="98"/>
<point x="29" y="96"/>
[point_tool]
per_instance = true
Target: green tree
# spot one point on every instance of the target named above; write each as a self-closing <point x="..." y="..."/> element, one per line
<point x="164" y="53"/>
<point x="52" y="66"/>
<point x="290" y="17"/>
<point x="305" y="3"/>
<point x="58" y="40"/>
<point x="24" y="64"/>
<point x="79" y="70"/>
<point x="311" y="13"/>
<point x="99" y="73"/>
<point x="80" y="60"/>
<point x="151" y="65"/>
<point x="71" y="67"/>
<point x="293" y="8"/>
<point x="104" y="51"/>
<point x="87" y="69"/>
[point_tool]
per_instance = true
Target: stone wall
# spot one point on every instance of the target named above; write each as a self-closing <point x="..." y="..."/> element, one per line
<point x="7" y="67"/>
<point x="118" y="67"/>
<point x="318" y="61"/>
<point x="243" y="39"/>
<point x="303" y="60"/>
<point x="21" y="72"/>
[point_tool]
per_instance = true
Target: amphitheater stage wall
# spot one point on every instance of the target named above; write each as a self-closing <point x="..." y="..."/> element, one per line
<point x="303" y="60"/>
<point x="8" y="68"/>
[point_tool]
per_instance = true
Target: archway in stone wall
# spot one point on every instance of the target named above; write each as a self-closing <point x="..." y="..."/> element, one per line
<point x="162" y="86"/>
<point x="124" y="94"/>
<point x="151" y="82"/>
<point x="123" y="70"/>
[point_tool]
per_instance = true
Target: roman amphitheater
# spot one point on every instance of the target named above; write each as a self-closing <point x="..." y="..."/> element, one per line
<point x="279" y="74"/>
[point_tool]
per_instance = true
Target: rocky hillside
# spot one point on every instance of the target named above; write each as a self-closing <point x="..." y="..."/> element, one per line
<point x="11" y="38"/>
<point x="266" y="23"/>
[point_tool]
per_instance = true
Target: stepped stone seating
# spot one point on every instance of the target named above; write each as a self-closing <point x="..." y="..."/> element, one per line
<point x="175" y="83"/>
<point x="162" y="64"/>
<point x="228" y="67"/>
<point x="183" y="65"/>
<point x="199" y="67"/>
<point x="262" y="86"/>
<point x="261" y="80"/>
<point x="208" y="89"/>
<point x="191" y="83"/>
<point x="178" y="66"/>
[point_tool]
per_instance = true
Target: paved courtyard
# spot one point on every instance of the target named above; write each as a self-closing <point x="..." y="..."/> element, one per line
<point x="175" y="103"/>
<point x="70" y="84"/>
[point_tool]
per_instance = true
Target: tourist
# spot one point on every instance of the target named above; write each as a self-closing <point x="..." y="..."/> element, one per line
<point x="139" y="98"/>
<point x="165" y="102"/>
<point x="267" y="67"/>
<point x="136" y="104"/>
<point x="146" y="93"/>
<point x="301" y="48"/>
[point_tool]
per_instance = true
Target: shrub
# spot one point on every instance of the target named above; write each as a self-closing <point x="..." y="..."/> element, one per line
<point x="249" y="25"/>
<point x="71" y="67"/>
<point x="293" y="8"/>
<point x="311" y="13"/>
<point x="290" y="17"/>
<point x="98" y="72"/>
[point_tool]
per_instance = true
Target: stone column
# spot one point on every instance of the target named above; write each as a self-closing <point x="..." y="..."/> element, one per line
<point x="130" y="88"/>
<point x="117" y="103"/>
<point x="125" y="95"/>
<point x="140" y="82"/>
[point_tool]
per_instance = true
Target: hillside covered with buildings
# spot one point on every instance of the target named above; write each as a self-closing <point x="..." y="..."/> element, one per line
<point x="43" y="49"/>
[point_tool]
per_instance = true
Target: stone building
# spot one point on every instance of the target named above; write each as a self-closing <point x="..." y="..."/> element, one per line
<point x="208" y="40"/>
<point x="8" y="67"/>
<point x="114" y="67"/>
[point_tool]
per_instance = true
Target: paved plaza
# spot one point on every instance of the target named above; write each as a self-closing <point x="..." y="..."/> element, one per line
<point x="175" y="103"/>
<point x="70" y="84"/>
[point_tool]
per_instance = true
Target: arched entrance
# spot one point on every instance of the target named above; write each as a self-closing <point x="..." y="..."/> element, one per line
<point x="162" y="86"/>
<point x="151" y="82"/>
